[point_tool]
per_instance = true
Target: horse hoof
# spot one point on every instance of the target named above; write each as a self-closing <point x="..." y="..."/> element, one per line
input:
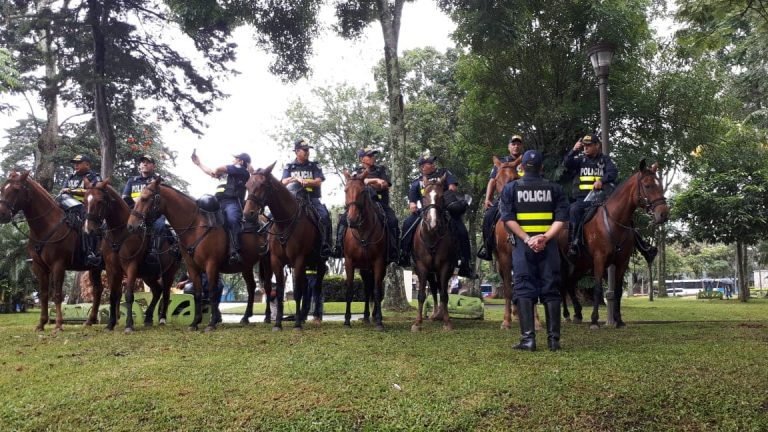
<point x="567" y="320"/>
<point x="162" y="322"/>
<point x="379" y="328"/>
<point x="148" y="323"/>
<point x="109" y="328"/>
<point x="268" y="320"/>
<point x="620" y="324"/>
<point x="447" y="327"/>
<point x="128" y="330"/>
<point x="298" y="329"/>
<point x="366" y="320"/>
<point x="88" y="323"/>
<point x="415" y="328"/>
<point x="316" y="322"/>
<point x="347" y="325"/>
<point x="245" y="321"/>
<point x="192" y="328"/>
<point x="594" y="327"/>
<point x="209" y="329"/>
<point x="505" y="326"/>
<point x="39" y="328"/>
<point x="277" y="329"/>
<point x="577" y="321"/>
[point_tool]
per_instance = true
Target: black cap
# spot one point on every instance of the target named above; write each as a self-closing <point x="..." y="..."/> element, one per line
<point x="591" y="139"/>
<point x="147" y="157"/>
<point x="243" y="157"/>
<point x="368" y="151"/>
<point x="514" y="138"/>
<point x="532" y="159"/>
<point x="80" y="158"/>
<point x="301" y="143"/>
<point x="426" y="159"/>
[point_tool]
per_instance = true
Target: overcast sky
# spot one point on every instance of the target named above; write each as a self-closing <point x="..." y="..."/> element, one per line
<point x="258" y="100"/>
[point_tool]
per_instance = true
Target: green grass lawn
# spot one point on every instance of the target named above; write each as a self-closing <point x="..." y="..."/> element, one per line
<point x="681" y="364"/>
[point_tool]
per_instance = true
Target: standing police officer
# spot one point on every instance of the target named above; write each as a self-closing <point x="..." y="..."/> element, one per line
<point x="515" y="148"/>
<point x="310" y="177"/>
<point x="132" y="191"/>
<point x="231" y="196"/>
<point x="415" y="193"/>
<point x="379" y="181"/>
<point x="74" y="186"/>
<point x="535" y="210"/>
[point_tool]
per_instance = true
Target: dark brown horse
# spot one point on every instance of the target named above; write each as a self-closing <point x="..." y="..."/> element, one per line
<point x="125" y="256"/>
<point x="293" y="238"/>
<point x="53" y="244"/>
<point x="435" y="251"/>
<point x="609" y="238"/>
<point x="204" y="243"/>
<point x="365" y="246"/>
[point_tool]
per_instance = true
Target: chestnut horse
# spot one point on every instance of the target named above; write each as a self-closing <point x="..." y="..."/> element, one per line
<point x="52" y="244"/>
<point x="609" y="239"/>
<point x="365" y="246"/>
<point x="293" y="238"/>
<point x="435" y="251"/>
<point x="204" y="243"/>
<point x="125" y="255"/>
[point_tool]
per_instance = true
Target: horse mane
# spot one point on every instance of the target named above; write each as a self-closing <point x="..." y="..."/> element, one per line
<point x="623" y="185"/>
<point x="179" y="192"/>
<point x="41" y="191"/>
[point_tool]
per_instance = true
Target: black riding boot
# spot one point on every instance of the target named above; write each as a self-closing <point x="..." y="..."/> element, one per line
<point x="153" y="254"/>
<point x="527" y="330"/>
<point x="234" y="243"/>
<point x="647" y="250"/>
<point x="92" y="256"/>
<point x="552" y="313"/>
<point x="341" y="228"/>
<point x="486" y="250"/>
<point x="573" y="240"/>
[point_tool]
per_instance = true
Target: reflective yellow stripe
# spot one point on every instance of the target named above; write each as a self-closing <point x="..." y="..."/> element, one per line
<point x="535" y="228"/>
<point x="221" y="188"/>
<point x="585" y="186"/>
<point x="535" y="216"/>
<point x="309" y="189"/>
<point x="135" y="194"/>
<point x="589" y="178"/>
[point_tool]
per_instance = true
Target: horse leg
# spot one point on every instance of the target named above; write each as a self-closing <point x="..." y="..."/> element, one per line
<point x="265" y="275"/>
<point x="504" y="268"/>
<point x="167" y="281"/>
<point x="620" y="272"/>
<point x="577" y="316"/>
<point x="379" y="271"/>
<point x="58" y="283"/>
<point x="197" y="281"/>
<point x="93" y="316"/>
<point x="422" y="274"/>
<point x="250" y="284"/>
<point x="317" y="294"/>
<point x="368" y="294"/>
<point x="349" y="270"/>
<point x="156" y="288"/>
<point x="444" y="278"/>
<point x="434" y="290"/>
<point x="610" y="296"/>
<point x="43" y="287"/>
<point x="299" y="288"/>
<point x="280" y="288"/>
<point x="214" y="293"/>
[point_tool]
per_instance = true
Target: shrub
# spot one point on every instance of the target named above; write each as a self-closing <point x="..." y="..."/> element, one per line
<point x="712" y="295"/>
<point x="335" y="288"/>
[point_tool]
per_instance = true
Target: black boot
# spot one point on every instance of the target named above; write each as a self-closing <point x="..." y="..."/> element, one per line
<point x="338" y="251"/>
<point x="552" y="313"/>
<point x="527" y="330"/>
<point x="466" y="270"/>
<point x="485" y="253"/>
<point x="234" y="244"/>
<point x="573" y="240"/>
<point x="92" y="256"/>
<point x="393" y="253"/>
<point x="325" y="237"/>
<point x="647" y="250"/>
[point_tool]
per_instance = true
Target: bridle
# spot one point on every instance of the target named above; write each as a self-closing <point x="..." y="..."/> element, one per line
<point x="643" y="201"/>
<point x="152" y="213"/>
<point x="12" y="206"/>
<point x="441" y="229"/>
<point x="360" y="204"/>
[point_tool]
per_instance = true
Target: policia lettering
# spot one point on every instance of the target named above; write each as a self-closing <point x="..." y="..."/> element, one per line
<point x="588" y="175"/>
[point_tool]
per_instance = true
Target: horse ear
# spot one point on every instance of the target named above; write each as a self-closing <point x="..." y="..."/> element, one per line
<point x="443" y="178"/>
<point x="107" y="181"/>
<point x="655" y="167"/>
<point x="24" y="176"/>
<point x="346" y="175"/>
<point x="87" y="183"/>
<point x="642" y="165"/>
<point x="364" y="175"/>
<point x="268" y="170"/>
<point x="496" y="162"/>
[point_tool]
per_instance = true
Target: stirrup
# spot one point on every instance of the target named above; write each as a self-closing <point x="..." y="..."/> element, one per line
<point x="234" y="258"/>
<point x="484" y="254"/>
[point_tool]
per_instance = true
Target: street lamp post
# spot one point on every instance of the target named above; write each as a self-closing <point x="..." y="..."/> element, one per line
<point x="601" y="55"/>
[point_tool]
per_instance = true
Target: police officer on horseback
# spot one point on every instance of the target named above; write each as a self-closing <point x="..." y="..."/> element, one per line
<point x="231" y="196"/>
<point x="455" y="205"/>
<point x="71" y="199"/>
<point x="592" y="171"/>
<point x="535" y="210"/>
<point x="515" y="148"/>
<point x="378" y="179"/>
<point x="308" y="176"/>
<point x="132" y="191"/>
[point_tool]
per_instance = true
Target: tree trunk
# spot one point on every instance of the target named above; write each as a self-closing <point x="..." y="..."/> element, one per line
<point x="662" y="257"/>
<point x="98" y="19"/>
<point x="48" y="142"/>
<point x="389" y="17"/>
<point x="740" y="272"/>
<point x="473" y="221"/>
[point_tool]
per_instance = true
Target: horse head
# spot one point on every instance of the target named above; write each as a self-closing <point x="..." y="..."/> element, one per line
<point x="97" y="204"/>
<point x="505" y="173"/>
<point x="355" y="193"/>
<point x="14" y="195"/>
<point x="432" y="201"/>
<point x="651" y="193"/>
<point x="259" y="189"/>
<point x="148" y="207"/>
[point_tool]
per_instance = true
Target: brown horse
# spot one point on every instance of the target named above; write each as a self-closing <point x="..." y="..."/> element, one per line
<point x="365" y="246"/>
<point x="609" y="238"/>
<point x="126" y="255"/>
<point x="204" y="243"/>
<point x="293" y="238"/>
<point x="505" y="242"/>
<point x="53" y="243"/>
<point x="435" y="251"/>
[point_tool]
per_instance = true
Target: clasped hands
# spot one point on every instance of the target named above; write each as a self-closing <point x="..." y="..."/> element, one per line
<point x="537" y="243"/>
